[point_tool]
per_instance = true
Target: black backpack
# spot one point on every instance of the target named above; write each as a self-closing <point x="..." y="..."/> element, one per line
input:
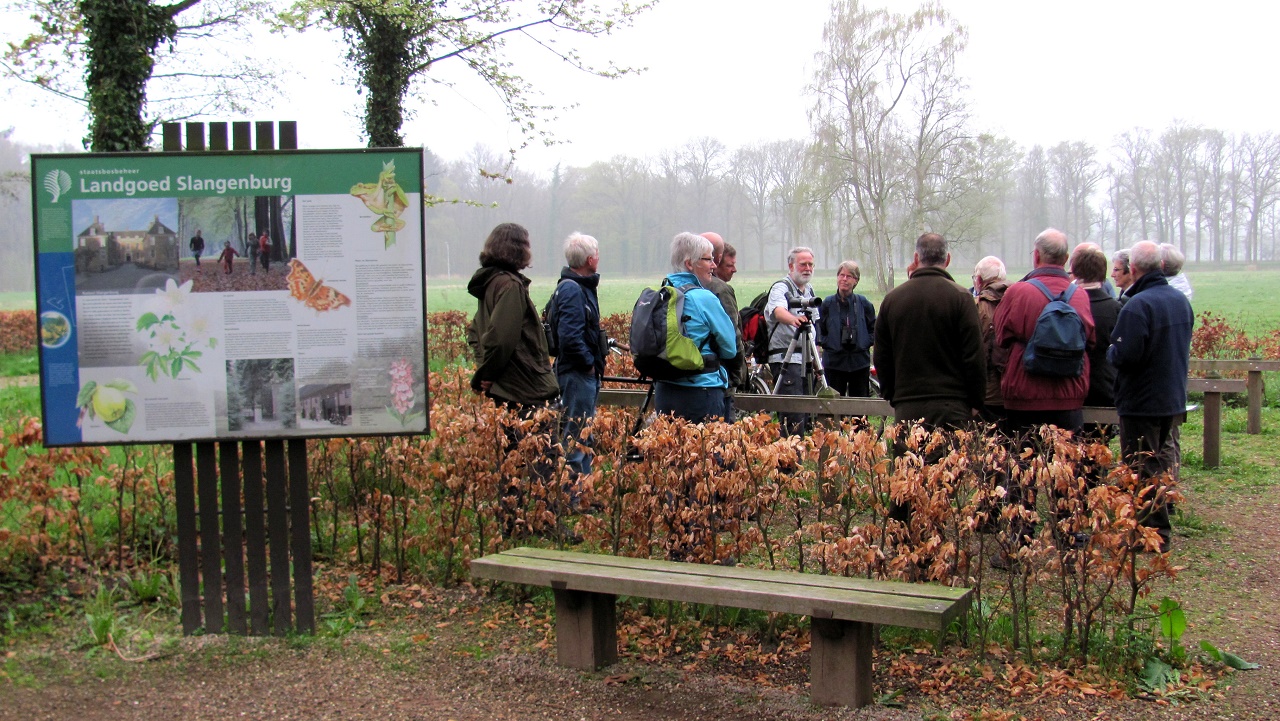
<point x="1057" y="345"/>
<point x="660" y="346"/>
<point x="549" y="322"/>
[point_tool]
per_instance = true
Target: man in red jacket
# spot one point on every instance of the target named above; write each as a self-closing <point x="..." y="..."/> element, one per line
<point x="1034" y="400"/>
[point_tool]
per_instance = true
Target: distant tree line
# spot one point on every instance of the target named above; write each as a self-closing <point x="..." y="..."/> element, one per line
<point x="893" y="149"/>
<point x="1211" y="192"/>
<point x="893" y="152"/>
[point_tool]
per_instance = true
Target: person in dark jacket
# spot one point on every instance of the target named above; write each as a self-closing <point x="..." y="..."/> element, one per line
<point x="512" y="365"/>
<point x="1034" y="400"/>
<point x="1151" y="349"/>
<point x="582" y="345"/>
<point x="846" y="328"/>
<point x="928" y="348"/>
<point x="1089" y="268"/>
<point x="197" y="246"/>
<point x="989" y="283"/>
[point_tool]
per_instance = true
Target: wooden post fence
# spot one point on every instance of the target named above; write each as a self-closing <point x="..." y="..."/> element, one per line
<point x="1213" y="390"/>
<point x="233" y="518"/>
<point x="1255" y="368"/>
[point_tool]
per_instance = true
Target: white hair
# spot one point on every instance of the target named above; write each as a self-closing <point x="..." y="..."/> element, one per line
<point x="688" y="247"/>
<point x="990" y="269"/>
<point x="1145" y="256"/>
<point x="578" y="248"/>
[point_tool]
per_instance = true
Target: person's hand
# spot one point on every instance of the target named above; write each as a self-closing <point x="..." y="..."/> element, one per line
<point x="912" y="267"/>
<point x="484" y="388"/>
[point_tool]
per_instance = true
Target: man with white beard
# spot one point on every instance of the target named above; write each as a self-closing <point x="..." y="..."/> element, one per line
<point x="791" y="305"/>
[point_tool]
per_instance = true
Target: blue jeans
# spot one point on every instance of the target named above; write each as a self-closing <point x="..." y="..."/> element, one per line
<point x="578" y="392"/>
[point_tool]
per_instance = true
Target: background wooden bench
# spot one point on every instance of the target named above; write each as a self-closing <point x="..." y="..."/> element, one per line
<point x="842" y="610"/>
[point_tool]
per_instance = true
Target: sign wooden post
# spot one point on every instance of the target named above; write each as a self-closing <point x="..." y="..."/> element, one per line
<point x="212" y="560"/>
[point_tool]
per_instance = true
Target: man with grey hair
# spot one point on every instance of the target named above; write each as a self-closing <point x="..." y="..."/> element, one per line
<point x="573" y="319"/>
<point x="1151" y="349"/>
<point x="1035" y="399"/>
<point x="729" y="300"/>
<point x="1172" y="261"/>
<point x="792" y="305"/>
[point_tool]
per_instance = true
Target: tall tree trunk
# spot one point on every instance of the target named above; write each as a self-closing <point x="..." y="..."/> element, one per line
<point x="121" y="37"/>
<point x="385" y="65"/>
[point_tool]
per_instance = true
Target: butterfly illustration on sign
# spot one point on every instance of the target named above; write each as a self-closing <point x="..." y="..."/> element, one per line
<point x="311" y="290"/>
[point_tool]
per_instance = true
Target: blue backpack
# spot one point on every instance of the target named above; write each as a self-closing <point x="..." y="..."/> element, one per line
<point x="1056" y="347"/>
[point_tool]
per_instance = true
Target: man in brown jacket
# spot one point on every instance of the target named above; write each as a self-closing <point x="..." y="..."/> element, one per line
<point x="928" y="347"/>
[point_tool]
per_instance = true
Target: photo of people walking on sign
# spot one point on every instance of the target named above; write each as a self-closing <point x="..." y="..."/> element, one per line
<point x="238" y="243"/>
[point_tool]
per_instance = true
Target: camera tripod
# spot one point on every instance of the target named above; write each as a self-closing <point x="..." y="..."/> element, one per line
<point x="814" y="377"/>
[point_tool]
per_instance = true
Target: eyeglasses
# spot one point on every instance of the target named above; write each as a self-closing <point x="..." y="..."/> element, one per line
<point x="707" y="260"/>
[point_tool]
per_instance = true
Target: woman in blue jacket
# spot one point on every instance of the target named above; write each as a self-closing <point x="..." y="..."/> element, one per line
<point x="698" y="397"/>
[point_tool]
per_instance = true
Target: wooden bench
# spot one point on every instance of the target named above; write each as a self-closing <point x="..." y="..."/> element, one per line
<point x="842" y="610"/>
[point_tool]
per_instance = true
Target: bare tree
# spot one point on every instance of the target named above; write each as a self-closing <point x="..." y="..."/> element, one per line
<point x="886" y="107"/>
<point x="1261" y="155"/>
<point x="1073" y="173"/>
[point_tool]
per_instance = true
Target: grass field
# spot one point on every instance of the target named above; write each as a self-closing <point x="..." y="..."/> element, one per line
<point x="21" y="300"/>
<point x="1250" y="299"/>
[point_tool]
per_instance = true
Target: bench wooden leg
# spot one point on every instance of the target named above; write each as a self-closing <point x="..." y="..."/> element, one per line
<point x="840" y="662"/>
<point x="586" y="629"/>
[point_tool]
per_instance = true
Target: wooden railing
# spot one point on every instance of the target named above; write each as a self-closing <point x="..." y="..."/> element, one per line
<point x="1255" y="368"/>
<point x="1213" y="389"/>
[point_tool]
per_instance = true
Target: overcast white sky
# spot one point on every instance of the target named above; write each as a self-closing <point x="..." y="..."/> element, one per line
<point x="736" y="70"/>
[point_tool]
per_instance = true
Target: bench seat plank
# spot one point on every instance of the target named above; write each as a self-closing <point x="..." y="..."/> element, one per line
<point x="780" y="593"/>
<point x="891" y="588"/>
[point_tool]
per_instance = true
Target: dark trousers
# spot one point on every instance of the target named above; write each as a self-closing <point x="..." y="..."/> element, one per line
<point x="850" y="383"/>
<point x="1149" y="445"/>
<point x="1021" y="428"/>
<point x="792" y="375"/>
<point x="694" y="404"/>
<point x="513" y="495"/>
<point x="950" y="413"/>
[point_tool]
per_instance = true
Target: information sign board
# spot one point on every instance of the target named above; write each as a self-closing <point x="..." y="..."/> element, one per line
<point x="228" y="296"/>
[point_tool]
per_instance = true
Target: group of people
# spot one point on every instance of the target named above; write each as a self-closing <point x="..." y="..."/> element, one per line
<point x="945" y="359"/>
<point x="944" y="355"/>
<point x="258" y="247"/>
